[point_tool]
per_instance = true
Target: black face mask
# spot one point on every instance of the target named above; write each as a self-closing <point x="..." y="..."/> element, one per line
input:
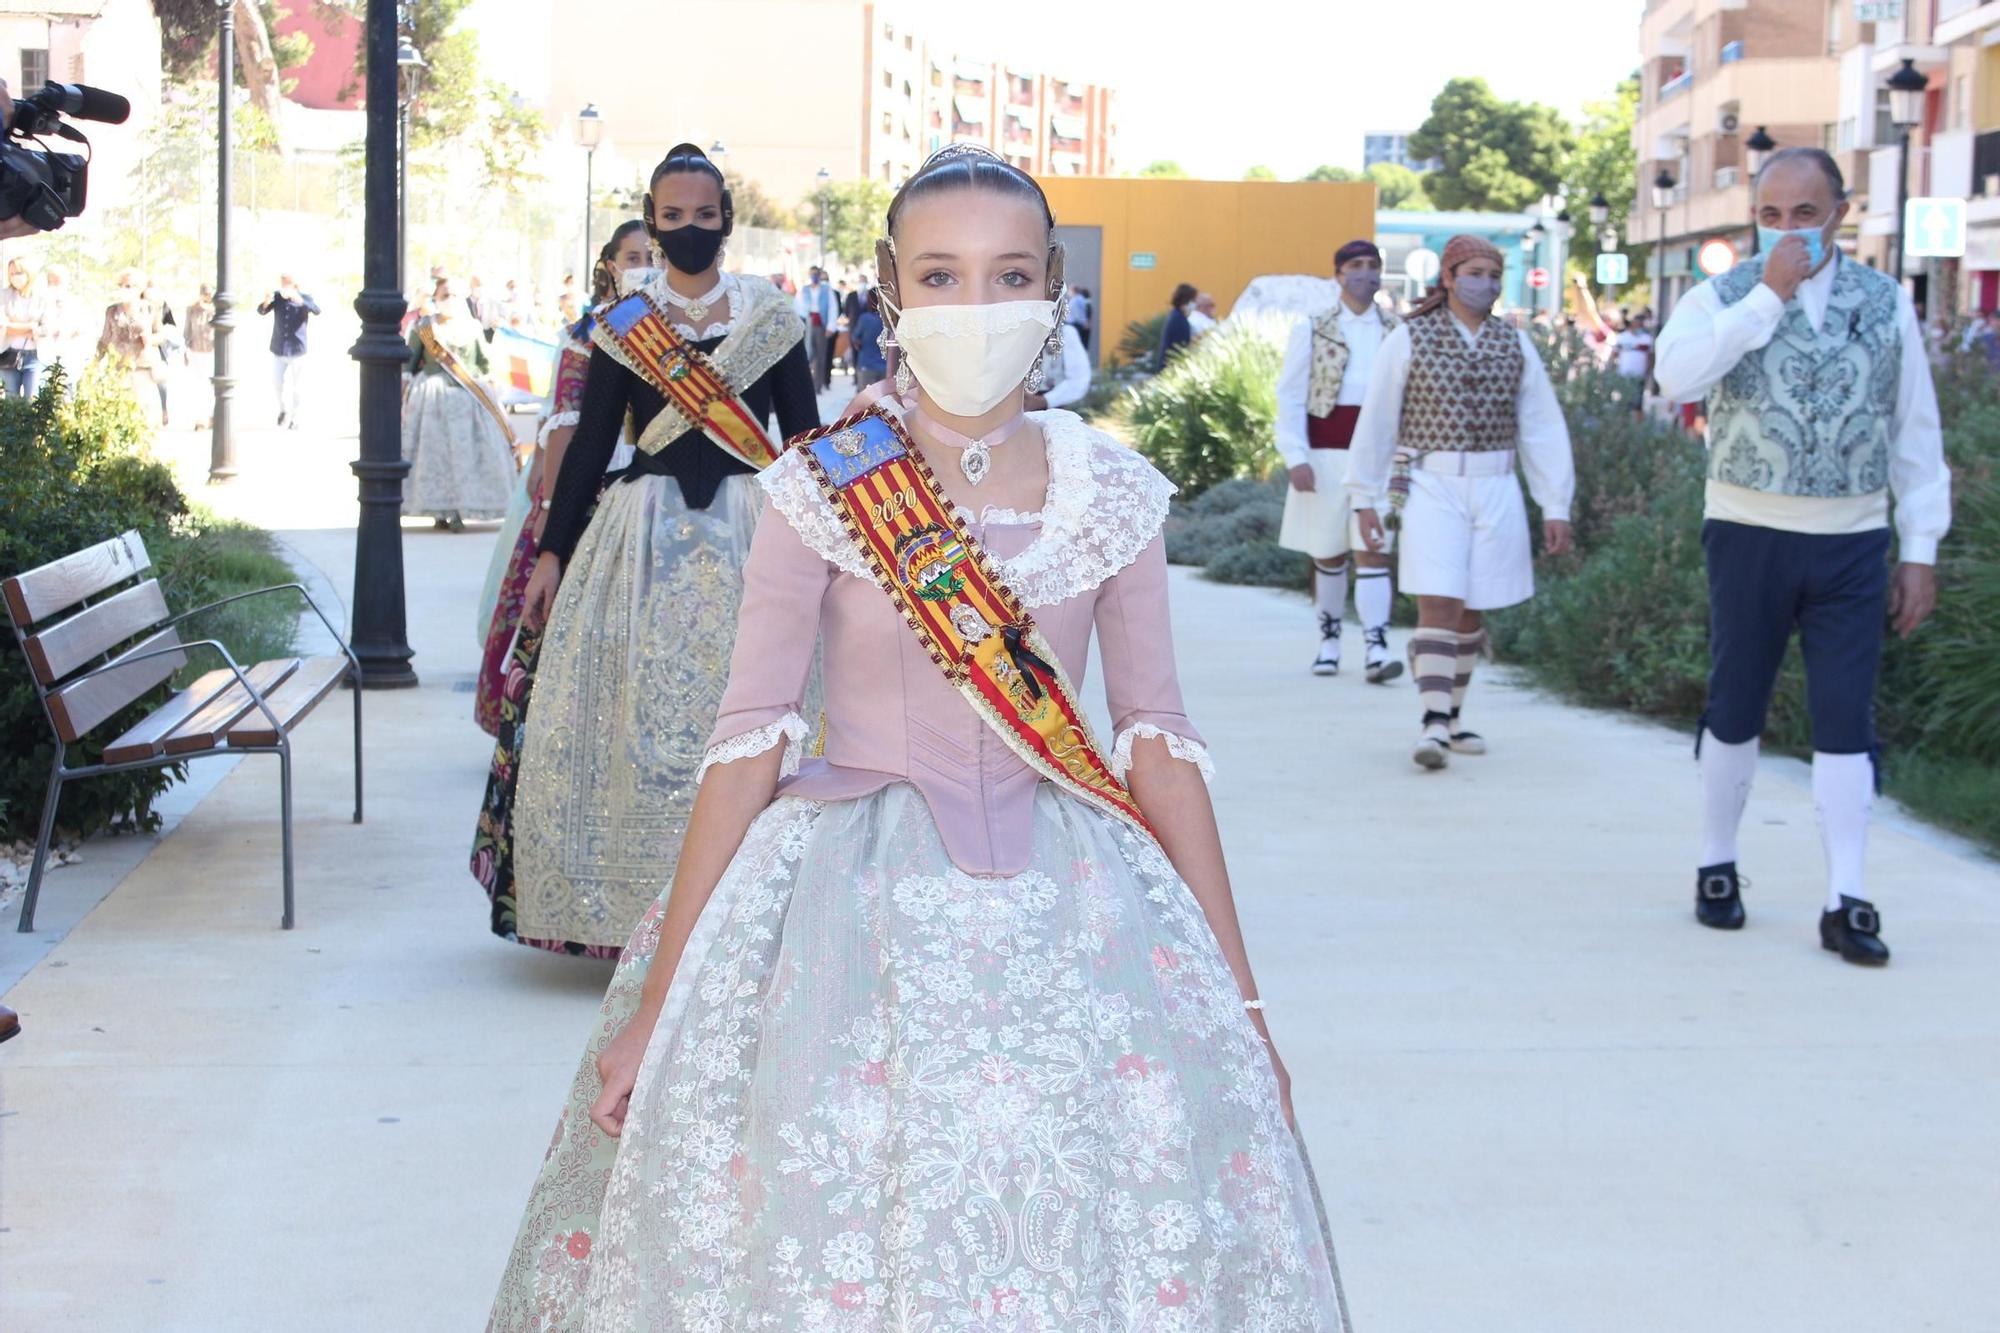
<point x="690" y="248"/>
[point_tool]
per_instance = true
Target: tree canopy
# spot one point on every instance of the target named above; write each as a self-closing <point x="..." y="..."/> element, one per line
<point x="1604" y="163"/>
<point x="1260" y="172"/>
<point x="1399" y="187"/>
<point x="1326" y="172"/>
<point x="854" y="213"/>
<point x="1496" y="155"/>
<point x="1164" y="169"/>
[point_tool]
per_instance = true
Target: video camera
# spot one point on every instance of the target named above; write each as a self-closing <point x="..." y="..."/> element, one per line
<point x="42" y="187"/>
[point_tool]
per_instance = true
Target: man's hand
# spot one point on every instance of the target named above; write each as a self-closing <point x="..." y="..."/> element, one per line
<point x="1557" y="536"/>
<point x="1303" y="478"/>
<point x="1789" y="265"/>
<point x="1372" y="533"/>
<point x="1912" y="597"/>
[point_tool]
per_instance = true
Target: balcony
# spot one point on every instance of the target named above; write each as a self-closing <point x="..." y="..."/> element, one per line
<point x="1732" y="52"/>
<point x="1951" y="165"/>
<point x="1986" y="165"/>
<point x="1728" y="178"/>
<point x="1675" y="86"/>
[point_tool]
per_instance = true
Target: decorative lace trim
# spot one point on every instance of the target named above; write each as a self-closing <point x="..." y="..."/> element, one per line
<point x="791" y="729"/>
<point x="1105" y="505"/>
<point x="1180" y="747"/>
<point x="553" y="422"/>
<point x="961" y="320"/>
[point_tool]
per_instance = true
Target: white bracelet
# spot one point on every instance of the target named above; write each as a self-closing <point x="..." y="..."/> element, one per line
<point x="1253" y="1004"/>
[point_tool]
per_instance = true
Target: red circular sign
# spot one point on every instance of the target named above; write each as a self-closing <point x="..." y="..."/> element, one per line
<point x="1538" y="278"/>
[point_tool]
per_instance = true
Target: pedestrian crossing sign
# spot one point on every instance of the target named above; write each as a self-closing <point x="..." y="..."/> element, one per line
<point x="1934" y="229"/>
<point x="1613" y="270"/>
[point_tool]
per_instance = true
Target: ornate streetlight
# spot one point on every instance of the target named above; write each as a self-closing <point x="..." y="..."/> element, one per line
<point x="410" y="68"/>
<point x="1758" y="149"/>
<point x="589" y="133"/>
<point x="380" y="634"/>
<point x="822" y="176"/>
<point x="1906" y="110"/>
<point x="222" y="444"/>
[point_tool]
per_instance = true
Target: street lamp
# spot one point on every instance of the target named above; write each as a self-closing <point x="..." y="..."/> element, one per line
<point x="380" y="633"/>
<point x="822" y="176"/>
<point x="1758" y="149"/>
<point x="1600" y="210"/>
<point x="1663" y="198"/>
<point x="410" y="68"/>
<point x="1906" y="109"/>
<point x="717" y="151"/>
<point x="222" y="445"/>
<point x="589" y="133"/>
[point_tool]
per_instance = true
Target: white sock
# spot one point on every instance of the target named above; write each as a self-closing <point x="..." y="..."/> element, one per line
<point x="1372" y="598"/>
<point x="1843" y="791"/>
<point x="1330" y="595"/>
<point x="1726" y="773"/>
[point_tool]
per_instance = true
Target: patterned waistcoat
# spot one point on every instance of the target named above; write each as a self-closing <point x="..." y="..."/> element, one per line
<point x="1809" y="413"/>
<point x="1458" y="396"/>
<point x="1330" y="354"/>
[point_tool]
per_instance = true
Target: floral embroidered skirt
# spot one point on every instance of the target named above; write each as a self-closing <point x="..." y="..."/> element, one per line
<point x="633" y="663"/>
<point x="888" y="1095"/>
<point x="461" y="462"/>
<point x="510" y="591"/>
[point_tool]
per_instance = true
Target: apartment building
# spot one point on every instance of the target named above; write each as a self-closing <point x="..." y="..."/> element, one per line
<point x="1712" y="73"/>
<point x="1393" y="147"/>
<point x="1954" y="149"/>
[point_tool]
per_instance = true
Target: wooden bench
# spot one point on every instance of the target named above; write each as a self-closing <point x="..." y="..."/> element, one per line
<point x="98" y="636"/>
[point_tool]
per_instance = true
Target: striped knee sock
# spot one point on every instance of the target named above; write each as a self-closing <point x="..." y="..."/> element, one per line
<point x="1434" y="662"/>
<point x="1469" y="648"/>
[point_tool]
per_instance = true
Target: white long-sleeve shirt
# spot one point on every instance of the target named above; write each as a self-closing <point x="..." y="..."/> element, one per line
<point x="1543" y="433"/>
<point x="1075" y="368"/>
<point x="1705" y="339"/>
<point x="1364" y="339"/>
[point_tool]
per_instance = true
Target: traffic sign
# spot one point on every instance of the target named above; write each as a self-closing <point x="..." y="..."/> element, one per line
<point x="1421" y="265"/>
<point x="1934" y="229"/>
<point x="1715" y="256"/>
<point x="1614" y="270"/>
<point x="1538" y="278"/>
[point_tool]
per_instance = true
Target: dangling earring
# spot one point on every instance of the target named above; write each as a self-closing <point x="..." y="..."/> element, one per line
<point x="1038" y="378"/>
<point x="904" y="380"/>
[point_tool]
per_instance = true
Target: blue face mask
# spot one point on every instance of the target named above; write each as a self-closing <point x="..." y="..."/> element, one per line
<point x="1814" y="237"/>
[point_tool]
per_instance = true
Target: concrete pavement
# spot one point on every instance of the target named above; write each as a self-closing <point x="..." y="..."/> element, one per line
<point x="1540" y="1099"/>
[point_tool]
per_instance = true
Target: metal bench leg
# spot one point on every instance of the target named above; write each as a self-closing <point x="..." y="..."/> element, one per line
<point x="357" y="750"/>
<point x="285" y="798"/>
<point x="42" y="839"/>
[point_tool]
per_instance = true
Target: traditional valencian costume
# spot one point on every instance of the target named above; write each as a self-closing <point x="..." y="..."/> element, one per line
<point x="951" y="1045"/>
<point x="513" y="675"/>
<point x="455" y="437"/>
<point x="636" y="652"/>
<point x="1449" y="410"/>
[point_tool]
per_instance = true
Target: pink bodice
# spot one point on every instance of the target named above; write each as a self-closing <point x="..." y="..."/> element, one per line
<point x="890" y="715"/>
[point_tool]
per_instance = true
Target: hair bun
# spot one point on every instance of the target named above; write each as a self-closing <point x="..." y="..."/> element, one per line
<point x="686" y="150"/>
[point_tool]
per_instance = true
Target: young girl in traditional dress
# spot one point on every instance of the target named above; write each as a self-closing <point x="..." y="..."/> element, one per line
<point x="951" y="1026"/>
<point x="461" y="457"/>
<point x="509" y="680"/>
<point x="636" y="650"/>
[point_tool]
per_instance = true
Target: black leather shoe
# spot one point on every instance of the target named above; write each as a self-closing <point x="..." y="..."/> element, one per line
<point x="1854" y="932"/>
<point x="1718" y="897"/>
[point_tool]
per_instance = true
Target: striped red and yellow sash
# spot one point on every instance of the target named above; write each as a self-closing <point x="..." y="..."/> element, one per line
<point x="975" y="629"/>
<point x="447" y="360"/>
<point x="688" y="380"/>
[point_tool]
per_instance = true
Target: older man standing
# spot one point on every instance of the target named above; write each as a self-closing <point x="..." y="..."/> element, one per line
<point x="1820" y="404"/>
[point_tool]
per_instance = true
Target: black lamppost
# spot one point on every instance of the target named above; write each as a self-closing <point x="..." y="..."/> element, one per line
<point x="822" y="176"/>
<point x="222" y="444"/>
<point x="380" y="634"/>
<point x="410" y="68"/>
<point x="589" y="133"/>
<point x="1906" y="109"/>
<point x="1663" y="199"/>
<point x="1758" y="148"/>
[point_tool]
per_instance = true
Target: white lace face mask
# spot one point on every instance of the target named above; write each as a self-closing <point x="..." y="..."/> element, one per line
<point x="970" y="357"/>
<point x="632" y="279"/>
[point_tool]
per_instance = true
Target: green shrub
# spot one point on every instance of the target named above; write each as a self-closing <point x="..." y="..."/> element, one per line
<point x="1208" y="417"/>
<point x="1263" y="563"/>
<point x="74" y="470"/>
<point x="1140" y="341"/>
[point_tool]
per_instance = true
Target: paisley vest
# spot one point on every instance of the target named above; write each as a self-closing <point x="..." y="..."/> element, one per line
<point x="1330" y="355"/>
<point x="1809" y="413"/>
<point x="1458" y="396"/>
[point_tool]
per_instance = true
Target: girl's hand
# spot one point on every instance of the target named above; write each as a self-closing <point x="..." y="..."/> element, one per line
<point x="618" y="1069"/>
<point x="540" y="598"/>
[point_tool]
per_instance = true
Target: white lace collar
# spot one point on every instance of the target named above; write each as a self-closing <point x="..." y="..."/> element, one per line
<point x="727" y="285"/>
<point x="1105" y="505"/>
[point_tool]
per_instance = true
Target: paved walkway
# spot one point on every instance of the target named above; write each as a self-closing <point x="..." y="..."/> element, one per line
<point x="1541" y="1100"/>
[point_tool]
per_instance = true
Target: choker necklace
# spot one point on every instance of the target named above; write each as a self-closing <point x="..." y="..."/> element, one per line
<point x="697" y="306"/>
<point x="975" y="457"/>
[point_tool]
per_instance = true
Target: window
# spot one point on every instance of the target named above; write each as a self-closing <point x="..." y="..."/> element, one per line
<point x="34" y="68"/>
<point x="1961" y="100"/>
<point x="1834" y="12"/>
<point x="1829" y="138"/>
<point x="1885" y="127"/>
<point x="888" y="79"/>
<point x="889" y="31"/>
<point x="909" y="42"/>
<point x="888" y="123"/>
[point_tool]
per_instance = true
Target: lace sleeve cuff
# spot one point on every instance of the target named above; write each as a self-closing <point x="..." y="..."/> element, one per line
<point x="555" y="421"/>
<point x="1180" y="747"/>
<point x="791" y="729"/>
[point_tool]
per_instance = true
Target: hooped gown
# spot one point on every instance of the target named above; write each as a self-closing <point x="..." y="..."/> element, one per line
<point x="461" y="461"/>
<point x="634" y="657"/>
<point x="947" y="1049"/>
